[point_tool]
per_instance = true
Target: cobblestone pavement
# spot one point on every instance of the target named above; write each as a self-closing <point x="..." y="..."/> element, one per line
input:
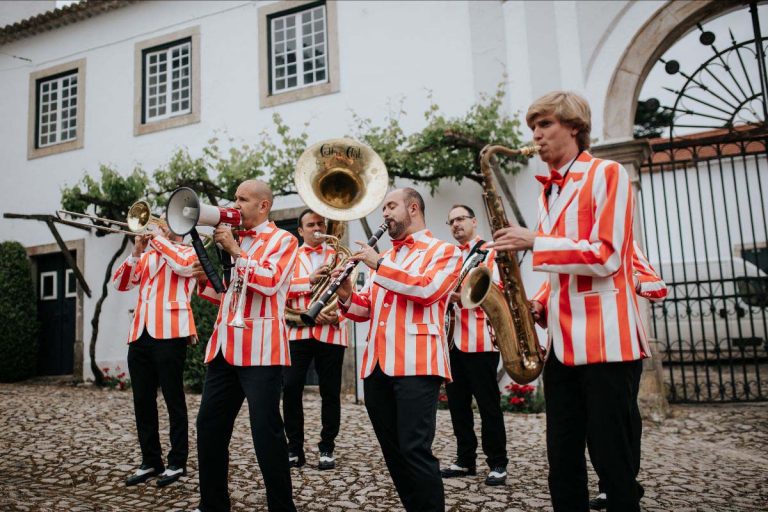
<point x="67" y="448"/>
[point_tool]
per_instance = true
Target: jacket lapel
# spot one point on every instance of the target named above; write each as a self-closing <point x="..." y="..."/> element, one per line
<point x="156" y="262"/>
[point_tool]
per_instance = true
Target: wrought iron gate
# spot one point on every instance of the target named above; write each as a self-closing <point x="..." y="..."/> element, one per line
<point x="704" y="209"/>
<point x="703" y="195"/>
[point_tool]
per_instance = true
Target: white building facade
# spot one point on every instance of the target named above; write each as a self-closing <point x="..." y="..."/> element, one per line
<point x="226" y="55"/>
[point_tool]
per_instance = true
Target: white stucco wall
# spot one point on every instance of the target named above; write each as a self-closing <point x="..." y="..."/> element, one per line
<point x="388" y="52"/>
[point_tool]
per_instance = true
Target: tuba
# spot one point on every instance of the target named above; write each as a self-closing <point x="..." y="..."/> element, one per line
<point x="336" y="232"/>
<point x="340" y="180"/>
<point x="507" y="310"/>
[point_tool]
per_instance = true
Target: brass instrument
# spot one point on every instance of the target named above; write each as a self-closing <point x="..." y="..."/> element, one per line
<point x="341" y="180"/>
<point x="292" y="315"/>
<point x="508" y="313"/>
<point x="450" y="315"/>
<point x="138" y="221"/>
<point x="238" y="294"/>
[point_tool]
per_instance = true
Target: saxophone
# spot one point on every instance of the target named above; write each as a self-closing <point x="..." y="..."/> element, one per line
<point x="507" y="310"/>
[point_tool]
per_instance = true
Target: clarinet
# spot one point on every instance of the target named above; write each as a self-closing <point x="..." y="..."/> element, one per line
<point x="309" y="317"/>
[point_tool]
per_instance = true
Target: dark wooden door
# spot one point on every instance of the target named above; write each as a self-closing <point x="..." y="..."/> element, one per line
<point x="56" y="299"/>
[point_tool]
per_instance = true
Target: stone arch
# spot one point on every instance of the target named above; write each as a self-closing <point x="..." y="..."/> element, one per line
<point x="659" y="33"/>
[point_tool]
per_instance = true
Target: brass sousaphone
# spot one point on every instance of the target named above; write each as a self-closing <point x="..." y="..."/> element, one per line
<point x="340" y="180"/>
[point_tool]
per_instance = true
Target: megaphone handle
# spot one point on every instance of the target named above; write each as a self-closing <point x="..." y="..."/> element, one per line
<point x="202" y="256"/>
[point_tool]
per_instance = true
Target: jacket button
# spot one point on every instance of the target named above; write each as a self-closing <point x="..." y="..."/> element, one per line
<point x="381" y="324"/>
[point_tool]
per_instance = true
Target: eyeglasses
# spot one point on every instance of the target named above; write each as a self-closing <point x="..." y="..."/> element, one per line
<point x="460" y="218"/>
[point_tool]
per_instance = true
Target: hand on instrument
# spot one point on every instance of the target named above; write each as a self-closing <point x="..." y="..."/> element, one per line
<point x="539" y="315"/>
<point x="140" y="243"/>
<point x="345" y="289"/>
<point x="223" y="236"/>
<point x="198" y="273"/>
<point x="332" y="317"/>
<point x="513" y="238"/>
<point x="367" y="255"/>
<point x="455" y="297"/>
<point x="319" y="274"/>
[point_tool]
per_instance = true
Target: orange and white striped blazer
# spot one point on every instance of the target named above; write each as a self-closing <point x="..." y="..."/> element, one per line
<point x="405" y="301"/>
<point x="648" y="284"/>
<point x="163" y="274"/>
<point x="471" y="332"/>
<point x="585" y="242"/>
<point x="299" y="295"/>
<point x="270" y="253"/>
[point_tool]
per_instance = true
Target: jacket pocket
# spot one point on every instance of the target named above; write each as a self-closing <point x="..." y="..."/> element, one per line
<point x="423" y="329"/>
<point x="177" y="304"/>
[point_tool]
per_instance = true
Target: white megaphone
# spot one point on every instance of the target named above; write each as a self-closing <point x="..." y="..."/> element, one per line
<point x="185" y="212"/>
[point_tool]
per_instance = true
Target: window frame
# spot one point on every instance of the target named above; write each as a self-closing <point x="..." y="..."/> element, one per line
<point x="36" y="80"/>
<point x="142" y="125"/>
<point x="43" y="276"/>
<point x="69" y="278"/>
<point x="268" y="98"/>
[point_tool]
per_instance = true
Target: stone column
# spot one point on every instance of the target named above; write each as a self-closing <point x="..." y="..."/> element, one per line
<point x="631" y="153"/>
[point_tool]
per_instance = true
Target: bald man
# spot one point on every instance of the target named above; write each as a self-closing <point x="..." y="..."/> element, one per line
<point x="247" y="363"/>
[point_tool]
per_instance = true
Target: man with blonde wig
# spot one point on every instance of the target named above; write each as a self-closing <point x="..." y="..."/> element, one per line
<point x="584" y="242"/>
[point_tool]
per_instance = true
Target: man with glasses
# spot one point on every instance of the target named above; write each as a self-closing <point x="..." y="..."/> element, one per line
<point x="474" y="361"/>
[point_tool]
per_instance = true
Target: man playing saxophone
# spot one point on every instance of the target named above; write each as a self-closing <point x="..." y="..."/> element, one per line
<point x="324" y="343"/>
<point x="247" y="363"/>
<point x="474" y="362"/>
<point x="405" y="359"/>
<point x="584" y="241"/>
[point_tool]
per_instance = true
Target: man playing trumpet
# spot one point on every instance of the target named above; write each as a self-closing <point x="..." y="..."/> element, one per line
<point x="157" y="346"/>
<point x="406" y="360"/>
<point x="324" y="343"/>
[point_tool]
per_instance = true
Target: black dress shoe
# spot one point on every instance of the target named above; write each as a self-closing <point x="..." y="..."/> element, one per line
<point x="171" y="474"/>
<point x="327" y="461"/>
<point x="600" y="502"/>
<point x="458" y="469"/>
<point x="144" y="473"/>
<point x="497" y="476"/>
<point x="296" y="460"/>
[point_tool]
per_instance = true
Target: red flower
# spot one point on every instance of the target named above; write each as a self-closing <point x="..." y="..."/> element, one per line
<point x="120" y="376"/>
<point x="516" y="400"/>
<point x="105" y="369"/>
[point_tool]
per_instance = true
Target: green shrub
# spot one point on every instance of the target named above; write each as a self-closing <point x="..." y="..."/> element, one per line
<point x="205" y="316"/>
<point x="18" y="314"/>
<point x="194" y="368"/>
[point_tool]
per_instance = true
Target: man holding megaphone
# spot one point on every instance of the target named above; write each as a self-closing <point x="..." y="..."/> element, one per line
<point x="246" y="352"/>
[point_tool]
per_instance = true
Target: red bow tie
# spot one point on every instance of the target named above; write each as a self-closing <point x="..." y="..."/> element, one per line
<point x="554" y="178"/>
<point x="318" y="249"/>
<point x="248" y="232"/>
<point x="465" y="246"/>
<point x="407" y="242"/>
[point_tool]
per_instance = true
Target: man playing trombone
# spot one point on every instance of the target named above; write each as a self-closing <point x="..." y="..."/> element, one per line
<point x="161" y="328"/>
<point x="324" y="343"/>
<point x="247" y="352"/>
<point x="406" y="360"/>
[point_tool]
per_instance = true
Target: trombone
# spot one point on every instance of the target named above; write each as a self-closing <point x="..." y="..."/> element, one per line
<point x="137" y="222"/>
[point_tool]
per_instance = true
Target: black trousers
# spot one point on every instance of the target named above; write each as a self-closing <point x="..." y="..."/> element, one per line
<point x="328" y="362"/>
<point x="224" y="390"/>
<point x="153" y="363"/>
<point x="403" y="413"/>
<point x="637" y="433"/>
<point x="474" y="374"/>
<point x="590" y="401"/>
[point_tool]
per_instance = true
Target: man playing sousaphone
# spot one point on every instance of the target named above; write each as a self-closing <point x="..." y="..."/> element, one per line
<point x="324" y="343"/>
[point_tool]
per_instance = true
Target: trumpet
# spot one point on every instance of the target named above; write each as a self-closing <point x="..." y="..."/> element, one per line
<point x="238" y="320"/>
